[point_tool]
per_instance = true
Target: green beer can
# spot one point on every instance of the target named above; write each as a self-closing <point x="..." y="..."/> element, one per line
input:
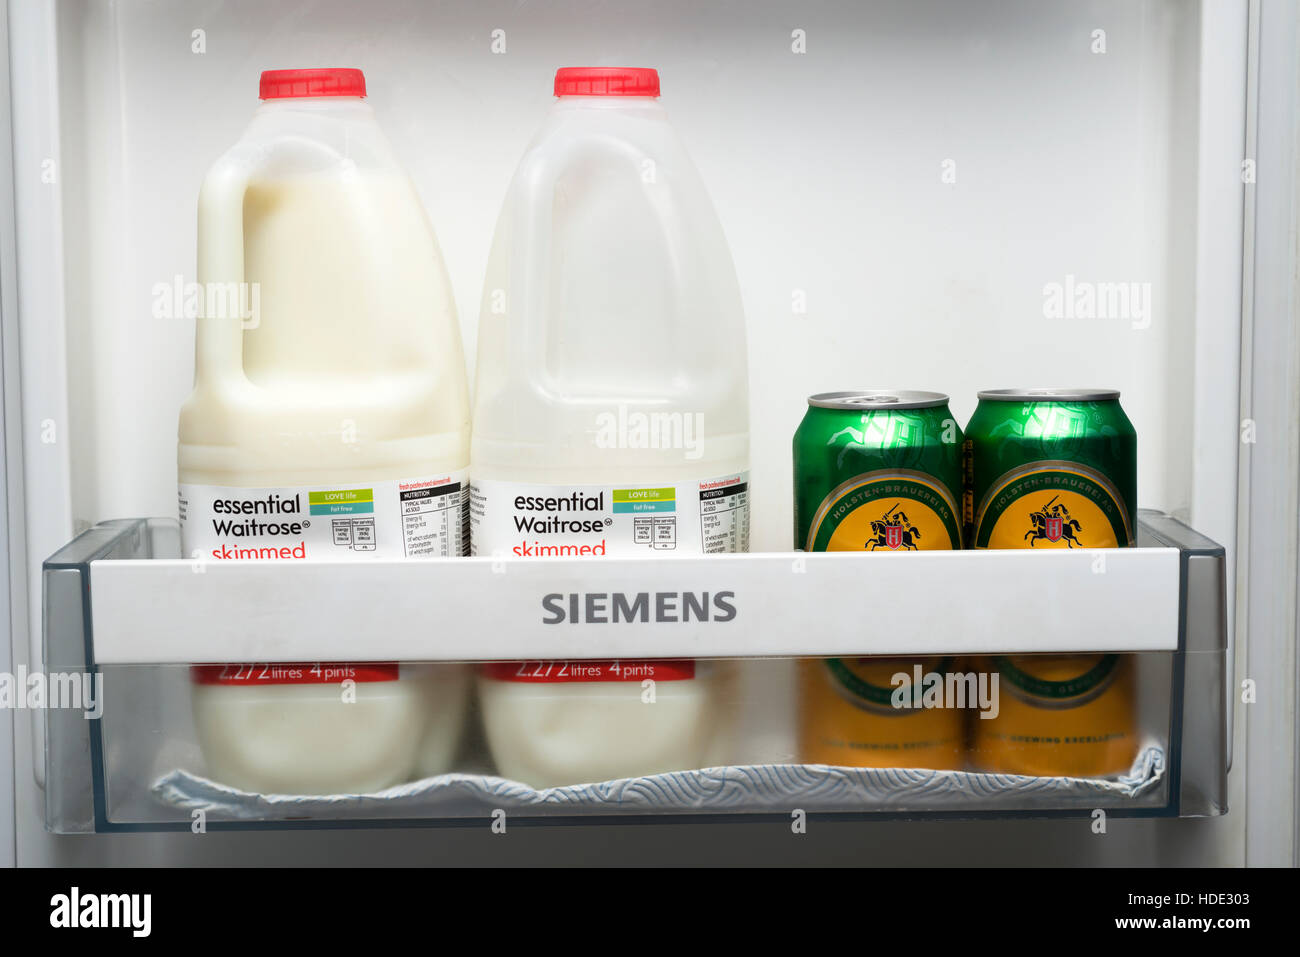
<point x="1050" y="468"/>
<point x="1054" y="468"/>
<point x="877" y="470"/>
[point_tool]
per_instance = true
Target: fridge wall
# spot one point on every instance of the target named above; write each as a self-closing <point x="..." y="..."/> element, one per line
<point x="898" y="198"/>
<point x="903" y="198"/>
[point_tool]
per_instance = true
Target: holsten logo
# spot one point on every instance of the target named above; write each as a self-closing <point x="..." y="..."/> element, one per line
<point x="611" y="608"/>
<point x="76" y="909"/>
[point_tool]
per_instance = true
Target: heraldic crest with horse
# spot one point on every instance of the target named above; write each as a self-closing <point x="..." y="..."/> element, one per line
<point x="1053" y="523"/>
<point x="893" y="530"/>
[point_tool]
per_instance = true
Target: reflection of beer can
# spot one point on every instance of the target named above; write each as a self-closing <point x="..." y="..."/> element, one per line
<point x="1059" y="715"/>
<point x="871" y="712"/>
<point x="1054" y="468"/>
<point x="876" y="471"/>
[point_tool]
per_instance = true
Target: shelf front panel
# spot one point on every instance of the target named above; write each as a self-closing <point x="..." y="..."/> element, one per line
<point x="776" y="604"/>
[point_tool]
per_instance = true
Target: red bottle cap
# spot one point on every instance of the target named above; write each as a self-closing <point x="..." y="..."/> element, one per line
<point x="281" y="84"/>
<point x="606" y="81"/>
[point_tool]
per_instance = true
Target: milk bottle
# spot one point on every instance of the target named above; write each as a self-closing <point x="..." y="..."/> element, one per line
<point x="611" y="418"/>
<point x="329" y="420"/>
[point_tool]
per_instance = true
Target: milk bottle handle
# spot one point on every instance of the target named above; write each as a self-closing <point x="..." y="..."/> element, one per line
<point x="219" y="339"/>
<point x="534" y="218"/>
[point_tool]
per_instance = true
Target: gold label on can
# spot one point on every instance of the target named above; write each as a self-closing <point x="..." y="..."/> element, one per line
<point x="1069" y="715"/>
<point x="869" y="712"/>
<point x="1052" y="681"/>
<point x="873" y="684"/>
<point x="886" y="510"/>
<point x="1052" y="504"/>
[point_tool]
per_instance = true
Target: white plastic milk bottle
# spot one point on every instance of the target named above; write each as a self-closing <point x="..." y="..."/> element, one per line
<point x="329" y="420"/>
<point x="611" y="418"/>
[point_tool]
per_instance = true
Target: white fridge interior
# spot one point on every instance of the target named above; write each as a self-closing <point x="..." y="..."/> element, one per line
<point x="948" y="196"/>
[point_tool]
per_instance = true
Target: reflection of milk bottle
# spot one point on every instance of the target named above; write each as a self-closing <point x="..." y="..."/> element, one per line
<point x="611" y="419"/>
<point x="329" y="420"/>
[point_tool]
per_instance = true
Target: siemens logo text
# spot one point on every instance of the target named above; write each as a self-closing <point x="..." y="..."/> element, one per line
<point x="607" y="608"/>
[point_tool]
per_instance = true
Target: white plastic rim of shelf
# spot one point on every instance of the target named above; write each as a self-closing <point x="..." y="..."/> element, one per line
<point x="781" y="605"/>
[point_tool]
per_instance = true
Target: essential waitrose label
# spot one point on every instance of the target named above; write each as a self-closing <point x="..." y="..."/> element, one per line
<point x="708" y="516"/>
<point x="404" y="518"/>
<point x="520" y="520"/>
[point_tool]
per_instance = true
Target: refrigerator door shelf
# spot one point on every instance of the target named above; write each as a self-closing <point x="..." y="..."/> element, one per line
<point x="120" y="605"/>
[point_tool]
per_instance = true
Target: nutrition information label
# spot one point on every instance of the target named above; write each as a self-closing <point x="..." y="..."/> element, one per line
<point x="724" y="517"/>
<point x="435" y="521"/>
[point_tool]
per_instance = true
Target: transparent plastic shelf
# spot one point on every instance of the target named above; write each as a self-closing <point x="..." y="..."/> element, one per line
<point x="119" y="602"/>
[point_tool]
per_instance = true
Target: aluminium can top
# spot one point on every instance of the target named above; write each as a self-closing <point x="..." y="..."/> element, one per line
<point x="1049" y="395"/>
<point x="878" y="399"/>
